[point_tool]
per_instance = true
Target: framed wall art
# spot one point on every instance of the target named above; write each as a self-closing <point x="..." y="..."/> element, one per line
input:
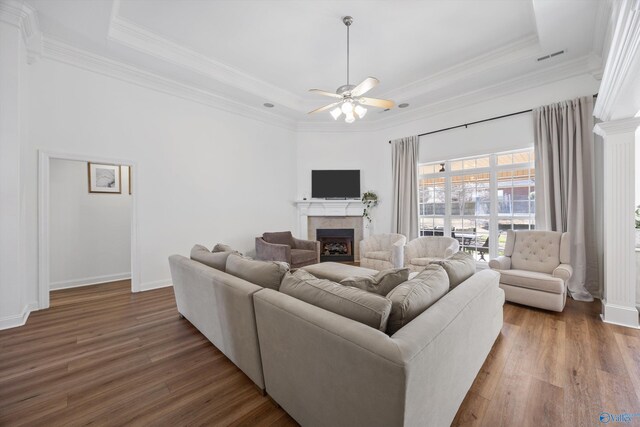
<point x="104" y="178"/>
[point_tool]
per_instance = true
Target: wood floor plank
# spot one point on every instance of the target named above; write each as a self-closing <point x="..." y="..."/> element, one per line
<point x="629" y="347"/>
<point x="510" y="399"/>
<point x="472" y="410"/>
<point x="545" y="406"/>
<point x="487" y="379"/>
<point x="617" y="395"/>
<point x="549" y="364"/>
<point x="104" y="356"/>
<point x="605" y="348"/>
<point x="582" y="400"/>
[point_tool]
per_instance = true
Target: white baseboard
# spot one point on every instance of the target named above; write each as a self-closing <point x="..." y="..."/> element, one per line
<point x="16" y="320"/>
<point x="620" y="315"/>
<point x="147" y="286"/>
<point x="86" y="281"/>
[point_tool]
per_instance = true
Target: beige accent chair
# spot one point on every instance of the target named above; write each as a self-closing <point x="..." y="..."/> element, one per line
<point x="535" y="268"/>
<point x="382" y="251"/>
<point x="422" y="251"/>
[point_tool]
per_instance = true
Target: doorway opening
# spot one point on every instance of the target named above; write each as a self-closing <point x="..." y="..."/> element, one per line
<point x="87" y="218"/>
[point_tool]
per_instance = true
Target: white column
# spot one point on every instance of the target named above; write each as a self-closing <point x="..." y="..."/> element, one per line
<point x="619" y="302"/>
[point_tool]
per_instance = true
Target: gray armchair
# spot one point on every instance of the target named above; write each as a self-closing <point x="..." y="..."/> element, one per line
<point x="282" y="246"/>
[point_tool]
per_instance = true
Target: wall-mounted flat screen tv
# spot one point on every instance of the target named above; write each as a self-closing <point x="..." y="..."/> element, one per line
<point x="338" y="184"/>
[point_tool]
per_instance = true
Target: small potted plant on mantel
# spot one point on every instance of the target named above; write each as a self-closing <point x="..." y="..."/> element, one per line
<point x="369" y="200"/>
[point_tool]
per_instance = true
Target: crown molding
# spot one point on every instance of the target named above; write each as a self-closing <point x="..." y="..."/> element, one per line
<point x="565" y="70"/>
<point x="24" y="17"/>
<point x="504" y="56"/>
<point x="135" y="37"/>
<point x="59" y="51"/>
<point x="622" y="57"/>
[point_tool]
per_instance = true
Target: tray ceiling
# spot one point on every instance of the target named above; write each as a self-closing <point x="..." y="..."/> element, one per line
<point x="255" y="51"/>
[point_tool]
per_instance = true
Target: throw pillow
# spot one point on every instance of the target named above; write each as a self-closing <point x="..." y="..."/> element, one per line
<point x="381" y="284"/>
<point x="355" y="304"/>
<point x="215" y="260"/>
<point x="221" y="247"/>
<point x="267" y="274"/>
<point x="411" y="298"/>
<point x="459" y="267"/>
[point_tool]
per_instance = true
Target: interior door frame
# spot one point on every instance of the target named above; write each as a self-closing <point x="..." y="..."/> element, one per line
<point x="44" y="188"/>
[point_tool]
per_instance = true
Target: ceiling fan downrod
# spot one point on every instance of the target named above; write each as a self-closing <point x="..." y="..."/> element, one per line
<point x="348" y="20"/>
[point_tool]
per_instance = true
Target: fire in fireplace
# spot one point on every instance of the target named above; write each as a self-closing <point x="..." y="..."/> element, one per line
<point x="336" y="244"/>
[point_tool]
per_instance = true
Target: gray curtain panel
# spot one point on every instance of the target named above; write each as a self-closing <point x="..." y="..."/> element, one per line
<point x="564" y="148"/>
<point x="405" y="186"/>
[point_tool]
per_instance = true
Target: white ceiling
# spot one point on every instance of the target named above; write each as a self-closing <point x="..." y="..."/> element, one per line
<point x="256" y="51"/>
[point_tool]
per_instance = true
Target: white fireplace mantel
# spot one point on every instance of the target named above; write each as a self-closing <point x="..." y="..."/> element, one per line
<point x="322" y="207"/>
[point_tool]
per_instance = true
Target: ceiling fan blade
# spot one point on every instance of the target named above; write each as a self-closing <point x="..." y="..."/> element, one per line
<point x="325" y="93"/>
<point x="374" y="102"/>
<point x="364" y="87"/>
<point x="326" y="107"/>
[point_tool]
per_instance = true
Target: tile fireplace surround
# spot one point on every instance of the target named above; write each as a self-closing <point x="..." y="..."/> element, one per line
<point x="314" y="214"/>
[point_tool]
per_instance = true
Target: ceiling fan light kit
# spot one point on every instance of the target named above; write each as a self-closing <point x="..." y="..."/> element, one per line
<point x="350" y="97"/>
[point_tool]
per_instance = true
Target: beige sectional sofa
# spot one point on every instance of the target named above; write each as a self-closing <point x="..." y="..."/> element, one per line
<point x="220" y="306"/>
<point x="324" y="369"/>
<point x="327" y="369"/>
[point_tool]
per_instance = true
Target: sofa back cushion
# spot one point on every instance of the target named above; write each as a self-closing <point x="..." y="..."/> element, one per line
<point x="221" y="247"/>
<point x="535" y="250"/>
<point x="459" y="267"/>
<point x="267" y="274"/>
<point x="381" y="283"/>
<point x="411" y="298"/>
<point x="216" y="260"/>
<point x="279" y="238"/>
<point x="364" y="307"/>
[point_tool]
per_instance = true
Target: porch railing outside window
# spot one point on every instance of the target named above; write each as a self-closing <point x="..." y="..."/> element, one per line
<point x="475" y="200"/>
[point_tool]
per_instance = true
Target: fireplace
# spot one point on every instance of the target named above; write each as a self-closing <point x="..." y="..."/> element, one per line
<point x="336" y="244"/>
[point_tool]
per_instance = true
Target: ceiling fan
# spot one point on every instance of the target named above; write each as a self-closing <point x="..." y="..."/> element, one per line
<point x="350" y="96"/>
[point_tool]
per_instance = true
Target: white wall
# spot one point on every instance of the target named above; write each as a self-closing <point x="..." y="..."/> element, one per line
<point x="15" y="300"/>
<point x="202" y="174"/>
<point x="371" y="153"/>
<point x="90" y="233"/>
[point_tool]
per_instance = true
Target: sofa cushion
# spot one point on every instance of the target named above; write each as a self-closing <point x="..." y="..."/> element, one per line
<point x="381" y="283"/>
<point x="425" y="261"/>
<point x="299" y="256"/>
<point x="380" y="255"/>
<point x="221" y="247"/>
<point x="356" y="304"/>
<point x="267" y="274"/>
<point x="336" y="271"/>
<point x="459" y="267"/>
<point x="532" y="280"/>
<point x="217" y="260"/>
<point x="411" y="298"/>
<point x="279" y="238"/>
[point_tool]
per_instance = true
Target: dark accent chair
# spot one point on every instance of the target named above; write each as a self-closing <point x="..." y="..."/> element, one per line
<point x="282" y="246"/>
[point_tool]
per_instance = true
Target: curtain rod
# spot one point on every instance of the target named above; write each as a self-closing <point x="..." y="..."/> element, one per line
<point x="480" y="121"/>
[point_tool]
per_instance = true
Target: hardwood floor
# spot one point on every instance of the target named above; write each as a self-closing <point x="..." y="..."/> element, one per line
<point x="101" y="355"/>
<point x="556" y="369"/>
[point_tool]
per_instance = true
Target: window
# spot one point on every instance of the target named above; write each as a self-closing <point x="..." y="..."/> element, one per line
<point x="476" y="200"/>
